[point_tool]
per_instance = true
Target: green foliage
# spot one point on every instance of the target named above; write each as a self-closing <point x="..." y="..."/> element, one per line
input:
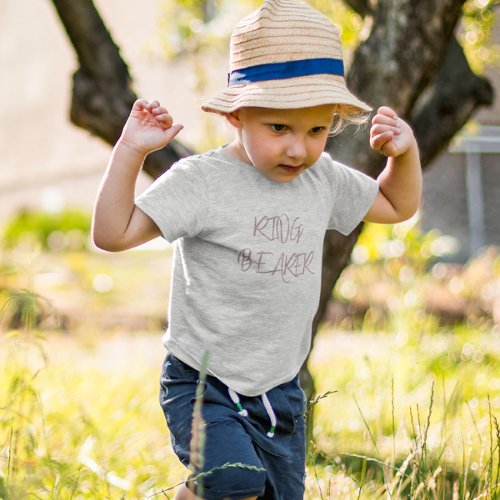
<point x="344" y="17"/>
<point x="389" y="263"/>
<point x="22" y="308"/>
<point x="399" y="276"/>
<point x="69" y="228"/>
<point x="186" y="28"/>
<point x="477" y="23"/>
<point x="204" y="26"/>
<point x="196" y="26"/>
<point x="3" y="490"/>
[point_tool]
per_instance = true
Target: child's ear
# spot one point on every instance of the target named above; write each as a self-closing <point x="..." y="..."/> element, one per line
<point x="234" y="118"/>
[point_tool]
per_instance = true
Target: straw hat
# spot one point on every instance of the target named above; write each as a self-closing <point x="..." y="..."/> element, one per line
<point x="285" y="55"/>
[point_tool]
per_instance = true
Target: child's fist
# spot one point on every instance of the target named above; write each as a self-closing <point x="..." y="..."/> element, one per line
<point x="389" y="134"/>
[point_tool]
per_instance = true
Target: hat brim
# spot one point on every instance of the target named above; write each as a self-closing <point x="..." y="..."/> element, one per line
<point x="291" y="93"/>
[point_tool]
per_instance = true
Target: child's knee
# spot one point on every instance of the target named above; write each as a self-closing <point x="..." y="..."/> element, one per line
<point x="234" y="481"/>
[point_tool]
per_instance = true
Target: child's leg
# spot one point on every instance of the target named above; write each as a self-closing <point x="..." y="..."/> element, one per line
<point x="232" y="468"/>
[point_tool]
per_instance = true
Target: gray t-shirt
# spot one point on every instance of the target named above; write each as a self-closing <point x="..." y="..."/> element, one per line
<point x="247" y="260"/>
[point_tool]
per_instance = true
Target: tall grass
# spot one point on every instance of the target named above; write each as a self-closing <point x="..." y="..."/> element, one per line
<point x="409" y="413"/>
<point x="72" y="430"/>
<point x="395" y="429"/>
<point x="69" y="433"/>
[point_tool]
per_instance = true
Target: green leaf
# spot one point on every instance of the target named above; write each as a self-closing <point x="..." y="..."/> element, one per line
<point x="3" y="490"/>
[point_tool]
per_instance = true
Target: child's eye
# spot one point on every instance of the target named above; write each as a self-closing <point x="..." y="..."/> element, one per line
<point x="317" y="130"/>
<point x="277" y="127"/>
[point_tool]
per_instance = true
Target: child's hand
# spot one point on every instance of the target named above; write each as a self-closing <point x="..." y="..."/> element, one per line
<point x="389" y="134"/>
<point x="149" y="127"/>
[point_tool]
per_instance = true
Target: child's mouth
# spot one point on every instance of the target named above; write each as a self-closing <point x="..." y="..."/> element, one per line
<point x="291" y="168"/>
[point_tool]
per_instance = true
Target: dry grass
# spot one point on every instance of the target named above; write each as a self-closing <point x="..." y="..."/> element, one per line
<point x="82" y="421"/>
<point x="408" y="413"/>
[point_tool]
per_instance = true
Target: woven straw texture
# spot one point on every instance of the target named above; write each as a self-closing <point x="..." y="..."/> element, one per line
<point x="281" y="31"/>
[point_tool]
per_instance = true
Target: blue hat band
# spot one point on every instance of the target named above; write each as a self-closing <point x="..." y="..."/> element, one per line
<point x="287" y="69"/>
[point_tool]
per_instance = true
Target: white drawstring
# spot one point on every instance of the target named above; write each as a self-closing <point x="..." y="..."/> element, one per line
<point x="244" y="413"/>
<point x="236" y="401"/>
<point x="271" y="414"/>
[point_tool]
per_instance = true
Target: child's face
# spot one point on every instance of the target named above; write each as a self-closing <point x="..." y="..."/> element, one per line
<point x="281" y="143"/>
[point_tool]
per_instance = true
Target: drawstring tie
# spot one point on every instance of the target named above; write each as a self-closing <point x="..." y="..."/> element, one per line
<point x="236" y="400"/>
<point x="267" y="405"/>
<point x="271" y="414"/>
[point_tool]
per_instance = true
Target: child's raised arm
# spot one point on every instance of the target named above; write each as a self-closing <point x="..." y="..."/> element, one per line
<point x="117" y="223"/>
<point x="401" y="180"/>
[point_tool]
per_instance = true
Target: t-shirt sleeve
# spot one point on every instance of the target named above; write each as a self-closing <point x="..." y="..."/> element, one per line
<point x="353" y="195"/>
<point x="177" y="201"/>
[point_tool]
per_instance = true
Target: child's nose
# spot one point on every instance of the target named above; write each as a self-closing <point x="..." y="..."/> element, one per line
<point x="297" y="148"/>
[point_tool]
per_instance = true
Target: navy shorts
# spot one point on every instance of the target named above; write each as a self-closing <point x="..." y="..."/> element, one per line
<point x="277" y="463"/>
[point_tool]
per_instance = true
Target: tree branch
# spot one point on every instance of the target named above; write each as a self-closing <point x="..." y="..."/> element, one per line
<point x="95" y="48"/>
<point x="102" y="87"/>
<point x="449" y="103"/>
